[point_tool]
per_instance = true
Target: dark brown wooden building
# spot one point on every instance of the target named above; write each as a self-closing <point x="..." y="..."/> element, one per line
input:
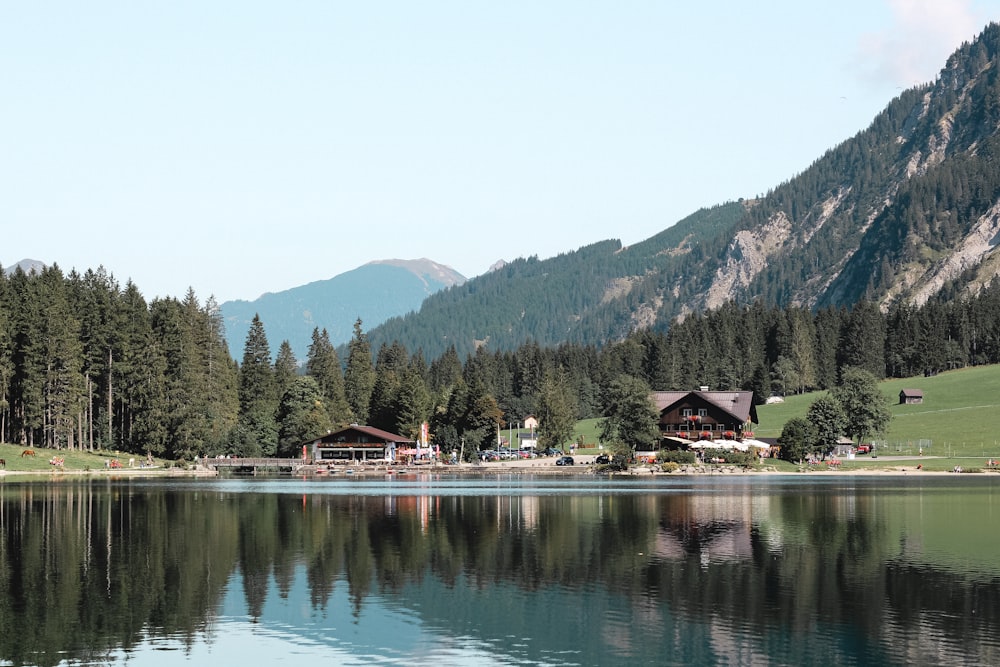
<point x="694" y="415"/>
<point x="911" y="396"/>
<point x="357" y="443"/>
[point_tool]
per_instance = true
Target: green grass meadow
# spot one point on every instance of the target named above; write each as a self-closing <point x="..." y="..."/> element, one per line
<point x="72" y="460"/>
<point x="960" y="415"/>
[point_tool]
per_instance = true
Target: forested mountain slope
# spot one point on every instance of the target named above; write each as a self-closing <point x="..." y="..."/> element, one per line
<point x="594" y="294"/>
<point x="907" y="208"/>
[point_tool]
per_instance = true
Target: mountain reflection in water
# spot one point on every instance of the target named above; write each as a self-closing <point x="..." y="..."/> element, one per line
<point x="504" y="570"/>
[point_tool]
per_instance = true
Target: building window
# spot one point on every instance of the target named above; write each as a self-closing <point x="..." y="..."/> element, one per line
<point x="686" y="412"/>
<point x="702" y="412"/>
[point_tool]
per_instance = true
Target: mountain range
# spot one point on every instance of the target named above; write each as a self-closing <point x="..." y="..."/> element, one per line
<point x="907" y="210"/>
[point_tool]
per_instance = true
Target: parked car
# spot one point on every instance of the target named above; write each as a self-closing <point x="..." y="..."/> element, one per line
<point x="565" y="461"/>
<point x="602" y="460"/>
<point x="552" y="451"/>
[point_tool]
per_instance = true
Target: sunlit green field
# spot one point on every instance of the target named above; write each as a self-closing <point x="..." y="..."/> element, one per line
<point x="960" y="415"/>
<point x="959" y="418"/>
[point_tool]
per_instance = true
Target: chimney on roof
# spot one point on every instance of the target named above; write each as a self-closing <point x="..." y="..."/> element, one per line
<point x="704" y="387"/>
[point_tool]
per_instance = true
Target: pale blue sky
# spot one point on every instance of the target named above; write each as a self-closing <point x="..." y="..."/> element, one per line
<point x="243" y="147"/>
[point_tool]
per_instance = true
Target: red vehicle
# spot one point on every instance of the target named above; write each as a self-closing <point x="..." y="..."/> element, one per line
<point x="864" y="449"/>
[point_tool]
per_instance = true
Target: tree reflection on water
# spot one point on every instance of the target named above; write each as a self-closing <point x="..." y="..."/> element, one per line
<point x="702" y="576"/>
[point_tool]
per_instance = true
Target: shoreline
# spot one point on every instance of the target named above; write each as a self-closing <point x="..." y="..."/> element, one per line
<point x="108" y="474"/>
<point x="901" y="466"/>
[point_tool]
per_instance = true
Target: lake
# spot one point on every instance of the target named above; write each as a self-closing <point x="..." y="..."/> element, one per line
<point x="503" y="570"/>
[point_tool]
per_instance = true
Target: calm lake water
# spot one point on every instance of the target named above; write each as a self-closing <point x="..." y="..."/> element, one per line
<point x="508" y="570"/>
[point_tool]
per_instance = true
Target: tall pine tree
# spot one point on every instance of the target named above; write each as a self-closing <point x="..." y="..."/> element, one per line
<point x="285" y="368"/>
<point x="359" y="377"/>
<point x="258" y="428"/>
<point x="323" y="365"/>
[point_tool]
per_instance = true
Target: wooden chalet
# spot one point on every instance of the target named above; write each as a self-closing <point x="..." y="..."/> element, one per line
<point x="357" y="443"/>
<point x="911" y="396"/>
<point x="704" y="415"/>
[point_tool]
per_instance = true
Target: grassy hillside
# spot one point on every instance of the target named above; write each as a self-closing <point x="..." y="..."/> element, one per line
<point x="960" y="414"/>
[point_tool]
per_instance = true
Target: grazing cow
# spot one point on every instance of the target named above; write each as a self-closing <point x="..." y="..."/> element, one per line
<point x="3" y="463"/>
<point x="27" y="452"/>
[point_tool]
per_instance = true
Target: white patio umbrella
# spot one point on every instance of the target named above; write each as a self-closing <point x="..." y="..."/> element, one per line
<point x="756" y="443"/>
<point x="717" y="444"/>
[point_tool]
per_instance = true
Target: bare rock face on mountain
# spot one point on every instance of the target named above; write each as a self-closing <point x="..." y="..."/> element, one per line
<point x="432" y="274"/>
<point x="747" y="257"/>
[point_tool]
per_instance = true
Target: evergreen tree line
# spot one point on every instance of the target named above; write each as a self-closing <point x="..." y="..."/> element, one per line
<point x="87" y="364"/>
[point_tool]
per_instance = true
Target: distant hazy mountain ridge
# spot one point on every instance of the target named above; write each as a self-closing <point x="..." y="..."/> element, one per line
<point x="29" y="266"/>
<point x="374" y="292"/>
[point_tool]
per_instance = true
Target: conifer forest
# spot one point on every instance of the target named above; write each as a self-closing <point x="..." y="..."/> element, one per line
<point x="88" y="364"/>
